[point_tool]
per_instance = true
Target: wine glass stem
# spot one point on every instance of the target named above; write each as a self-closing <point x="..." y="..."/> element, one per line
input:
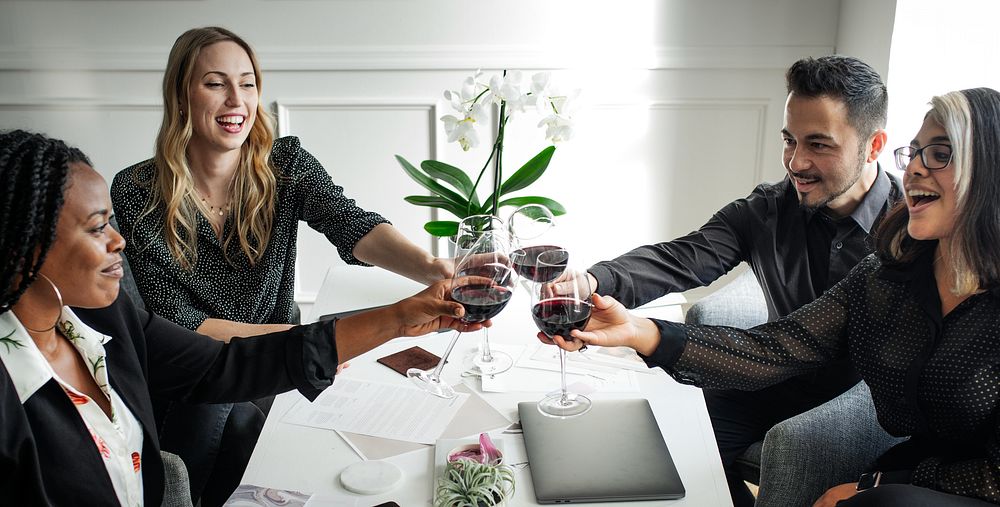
<point x="562" y="372"/>
<point x="436" y="374"/>
<point x="487" y="354"/>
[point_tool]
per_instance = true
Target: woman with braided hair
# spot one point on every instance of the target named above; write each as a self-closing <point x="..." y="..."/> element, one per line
<point x="80" y="361"/>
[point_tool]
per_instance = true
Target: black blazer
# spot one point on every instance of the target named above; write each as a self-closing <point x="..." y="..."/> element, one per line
<point x="47" y="456"/>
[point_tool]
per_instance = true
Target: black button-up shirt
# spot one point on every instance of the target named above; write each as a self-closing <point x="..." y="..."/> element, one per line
<point x="796" y="254"/>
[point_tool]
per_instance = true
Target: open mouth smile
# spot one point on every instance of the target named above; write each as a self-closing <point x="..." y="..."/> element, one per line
<point x="231" y="123"/>
<point x="920" y="199"/>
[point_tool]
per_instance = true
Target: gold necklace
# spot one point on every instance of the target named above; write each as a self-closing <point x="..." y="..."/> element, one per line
<point x="222" y="210"/>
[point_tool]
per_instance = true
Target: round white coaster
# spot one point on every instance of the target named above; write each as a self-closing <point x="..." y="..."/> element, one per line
<point x="371" y="477"/>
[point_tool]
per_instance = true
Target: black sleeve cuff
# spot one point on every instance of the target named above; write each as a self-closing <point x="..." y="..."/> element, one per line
<point x="896" y="477"/>
<point x="313" y="355"/>
<point x="673" y="339"/>
<point x="605" y="280"/>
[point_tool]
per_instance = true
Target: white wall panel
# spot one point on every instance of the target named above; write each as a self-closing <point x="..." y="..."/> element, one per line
<point x="114" y="136"/>
<point x="644" y="173"/>
<point x="353" y="139"/>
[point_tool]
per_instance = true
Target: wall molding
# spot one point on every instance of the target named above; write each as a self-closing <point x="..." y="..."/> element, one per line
<point x="283" y="109"/>
<point x="756" y="105"/>
<point x="426" y="57"/>
<point x="79" y="105"/>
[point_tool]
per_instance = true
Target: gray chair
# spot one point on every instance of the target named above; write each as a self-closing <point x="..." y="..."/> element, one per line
<point x="801" y="457"/>
<point x="176" y="487"/>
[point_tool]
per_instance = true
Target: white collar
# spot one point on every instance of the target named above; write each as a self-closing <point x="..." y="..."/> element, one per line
<point x="26" y="365"/>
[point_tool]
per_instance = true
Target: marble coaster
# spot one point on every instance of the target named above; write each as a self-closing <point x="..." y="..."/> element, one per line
<point x="371" y="477"/>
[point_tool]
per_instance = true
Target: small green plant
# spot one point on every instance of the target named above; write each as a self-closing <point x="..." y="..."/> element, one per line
<point x="467" y="483"/>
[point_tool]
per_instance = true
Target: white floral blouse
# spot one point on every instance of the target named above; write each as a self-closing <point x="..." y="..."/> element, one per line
<point x="119" y="439"/>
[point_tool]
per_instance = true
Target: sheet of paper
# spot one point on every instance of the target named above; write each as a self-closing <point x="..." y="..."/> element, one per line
<point x="513" y="350"/>
<point x="378" y="409"/>
<point x="539" y="380"/>
<point x="595" y="360"/>
<point x="476" y="416"/>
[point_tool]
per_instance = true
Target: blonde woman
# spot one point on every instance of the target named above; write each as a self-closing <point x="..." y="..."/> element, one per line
<point x="211" y="221"/>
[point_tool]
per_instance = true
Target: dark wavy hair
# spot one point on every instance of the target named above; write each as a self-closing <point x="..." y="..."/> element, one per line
<point x="34" y="173"/>
<point x="847" y="79"/>
<point x="971" y="118"/>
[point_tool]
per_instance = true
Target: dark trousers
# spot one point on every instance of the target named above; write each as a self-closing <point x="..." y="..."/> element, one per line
<point x="906" y="495"/>
<point x="215" y="442"/>
<point x="741" y="418"/>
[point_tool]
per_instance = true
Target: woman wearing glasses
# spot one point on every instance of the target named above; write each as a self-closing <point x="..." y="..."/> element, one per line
<point x="918" y="318"/>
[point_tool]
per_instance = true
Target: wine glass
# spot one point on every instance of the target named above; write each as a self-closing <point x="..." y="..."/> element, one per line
<point x="470" y="229"/>
<point x="530" y="226"/>
<point x="482" y="284"/>
<point x="560" y="304"/>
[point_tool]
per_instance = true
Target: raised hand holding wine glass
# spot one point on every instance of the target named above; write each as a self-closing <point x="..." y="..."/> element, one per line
<point x="483" y="285"/>
<point x="560" y="305"/>
<point x="486" y="361"/>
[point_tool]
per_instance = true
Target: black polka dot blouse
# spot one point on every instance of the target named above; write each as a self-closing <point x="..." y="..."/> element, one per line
<point x="238" y="291"/>
<point x="932" y="378"/>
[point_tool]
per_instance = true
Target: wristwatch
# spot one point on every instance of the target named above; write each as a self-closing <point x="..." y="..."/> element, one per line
<point x="869" y="480"/>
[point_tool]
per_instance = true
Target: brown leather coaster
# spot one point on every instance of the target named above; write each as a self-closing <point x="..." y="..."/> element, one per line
<point x="413" y="357"/>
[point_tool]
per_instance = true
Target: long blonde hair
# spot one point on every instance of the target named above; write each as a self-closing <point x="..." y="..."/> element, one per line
<point x="254" y="186"/>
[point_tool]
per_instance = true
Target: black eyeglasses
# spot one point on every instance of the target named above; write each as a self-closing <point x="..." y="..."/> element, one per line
<point x="933" y="156"/>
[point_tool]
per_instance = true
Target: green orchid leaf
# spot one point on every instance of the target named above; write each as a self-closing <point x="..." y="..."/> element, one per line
<point x="429" y="183"/>
<point x="434" y="201"/>
<point x="452" y="176"/>
<point x="443" y="228"/>
<point x="551" y="204"/>
<point x="529" y="172"/>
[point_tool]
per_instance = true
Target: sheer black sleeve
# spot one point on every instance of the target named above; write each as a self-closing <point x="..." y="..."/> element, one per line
<point x="725" y="357"/>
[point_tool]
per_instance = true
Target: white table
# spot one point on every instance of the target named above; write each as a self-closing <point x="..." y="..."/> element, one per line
<point x="310" y="460"/>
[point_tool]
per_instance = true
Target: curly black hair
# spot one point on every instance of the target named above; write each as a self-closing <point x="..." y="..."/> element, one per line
<point x="33" y="175"/>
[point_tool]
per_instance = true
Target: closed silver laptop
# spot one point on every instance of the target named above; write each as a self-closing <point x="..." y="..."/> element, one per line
<point x="613" y="453"/>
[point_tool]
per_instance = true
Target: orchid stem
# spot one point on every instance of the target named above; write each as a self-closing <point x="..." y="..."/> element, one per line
<point x="498" y="161"/>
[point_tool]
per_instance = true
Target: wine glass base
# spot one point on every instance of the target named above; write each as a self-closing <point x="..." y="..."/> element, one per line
<point x="475" y="365"/>
<point x="573" y="405"/>
<point x="428" y="382"/>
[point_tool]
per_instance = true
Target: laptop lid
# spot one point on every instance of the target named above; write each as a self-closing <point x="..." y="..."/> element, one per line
<point x="613" y="453"/>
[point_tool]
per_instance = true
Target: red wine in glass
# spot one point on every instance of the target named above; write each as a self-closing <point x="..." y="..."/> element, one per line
<point x="559" y="316"/>
<point x="481" y="301"/>
<point x="524" y="259"/>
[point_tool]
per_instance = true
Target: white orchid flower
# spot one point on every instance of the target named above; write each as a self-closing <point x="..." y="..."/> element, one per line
<point x="558" y="128"/>
<point x="540" y="92"/>
<point x="509" y="89"/>
<point x="463" y="129"/>
<point x="475" y="97"/>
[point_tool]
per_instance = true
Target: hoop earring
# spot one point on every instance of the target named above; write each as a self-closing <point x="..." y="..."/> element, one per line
<point x="58" y="296"/>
